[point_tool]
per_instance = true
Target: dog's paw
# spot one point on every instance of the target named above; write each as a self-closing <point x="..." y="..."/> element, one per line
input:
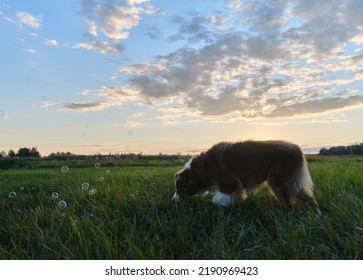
<point x="222" y="199"/>
<point x="176" y="198"/>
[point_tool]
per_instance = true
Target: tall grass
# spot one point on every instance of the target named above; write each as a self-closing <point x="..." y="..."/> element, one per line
<point x="132" y="217"/>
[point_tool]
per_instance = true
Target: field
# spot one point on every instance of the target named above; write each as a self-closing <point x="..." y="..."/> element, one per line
<point x="126" y="212"/>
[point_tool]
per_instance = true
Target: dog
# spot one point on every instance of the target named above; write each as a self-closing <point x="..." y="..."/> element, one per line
<point x="232" y="170"/>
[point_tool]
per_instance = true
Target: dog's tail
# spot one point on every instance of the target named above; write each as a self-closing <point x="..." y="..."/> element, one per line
<point x="304" y="182"/>
<point x="304" y="188"/>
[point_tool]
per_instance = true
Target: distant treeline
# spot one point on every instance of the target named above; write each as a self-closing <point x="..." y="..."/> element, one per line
<point x="31" y="158"/>
<point x="34" y="153"/>
<point x="356" y="149"/>
<point x="22" y="153"/>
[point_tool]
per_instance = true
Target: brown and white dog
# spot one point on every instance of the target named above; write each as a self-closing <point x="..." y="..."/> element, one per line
<point x="232" y="170"/>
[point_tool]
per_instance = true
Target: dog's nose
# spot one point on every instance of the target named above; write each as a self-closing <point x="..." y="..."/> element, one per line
<point x="176" y="197"/>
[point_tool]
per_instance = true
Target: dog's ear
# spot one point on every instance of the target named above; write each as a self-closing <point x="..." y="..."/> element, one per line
<point x="180" y="176"/>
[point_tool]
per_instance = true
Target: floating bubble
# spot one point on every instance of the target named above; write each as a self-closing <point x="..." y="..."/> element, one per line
<point x="17" y="211"/>
<point x="12" y="194"/>
<point x="92" y="192"/>
<point x="85" y="186"/>
<point x="130" y="132"/>
<point x="21" y="189"/>
<point x="55" y="195"/>
<point x="62" y="204"/>
<point x="102" y="179"/>
<point x="65" y="169"/>
<point x="97" y="165"/>
<point x="108" y="171"/>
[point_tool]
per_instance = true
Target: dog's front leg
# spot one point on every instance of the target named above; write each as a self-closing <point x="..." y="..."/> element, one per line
<point x="223" y="199"/>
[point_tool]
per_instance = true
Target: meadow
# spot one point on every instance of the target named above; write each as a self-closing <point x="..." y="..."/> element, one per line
<point x="124" y="211"/>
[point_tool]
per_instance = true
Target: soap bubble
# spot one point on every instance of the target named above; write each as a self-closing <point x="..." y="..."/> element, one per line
<point x="102" y="179"/>
<point x="130" y="132"/>
<point x="97" y="165"/>
<point x="62" y="204"/>
<point x="12" y="194"/>
<point x="85" y="186"/>
<point x="108" y="171"/>
<point x="92" y="192"/>
<point x="21" y="189"/>
<point x="55" y="195"/>
<point x="65" y="169"/>
<point x="17" y="211"/>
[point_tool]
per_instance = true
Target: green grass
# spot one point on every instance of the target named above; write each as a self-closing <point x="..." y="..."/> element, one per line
<point x="132" y="217"/>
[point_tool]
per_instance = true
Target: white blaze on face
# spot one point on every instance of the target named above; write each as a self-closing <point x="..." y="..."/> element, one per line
<point x="176" y="198"/>
<point x="222" y="199"/>
<point x="188" y="165"/>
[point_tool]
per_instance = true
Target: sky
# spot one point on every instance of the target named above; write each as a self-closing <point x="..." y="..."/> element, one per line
<point x="159" y="76"/>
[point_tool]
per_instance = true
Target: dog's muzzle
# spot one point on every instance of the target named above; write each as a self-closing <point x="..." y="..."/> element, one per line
<point x="176" y="197"/>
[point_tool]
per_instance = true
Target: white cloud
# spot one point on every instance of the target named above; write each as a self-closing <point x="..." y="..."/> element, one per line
<point x="3" y="114"/>
<point x="97" y="105"/>
<point x="137" y="115"/>
<point x="51" y="42"/>
<point x="114" y="20"/>
<point x="278" y="59"/>
<point x="317" y="107"/>
<point x="33" y="51"/>
<point x="103" y="47"/>
<point x="106" y="97"/>
<point x="131" y="123"/>
<point x="29" y="20"/>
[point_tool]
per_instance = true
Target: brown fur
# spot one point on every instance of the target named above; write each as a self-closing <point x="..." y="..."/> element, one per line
<point x="242" y="167"/>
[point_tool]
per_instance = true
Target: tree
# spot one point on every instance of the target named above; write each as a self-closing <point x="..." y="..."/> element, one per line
<point x="323" y="152"/>
<point x="11" y="154"/>
<point x="357" y="149"/>
<point x="27" y="152"/>
<point x="34" y="152"/>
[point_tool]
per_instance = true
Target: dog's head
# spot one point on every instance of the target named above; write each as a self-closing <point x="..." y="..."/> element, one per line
<point x="185" y="184"/>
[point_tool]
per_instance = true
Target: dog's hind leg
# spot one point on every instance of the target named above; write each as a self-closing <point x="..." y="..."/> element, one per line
<point x="282" y="192"/>
<point x="284" y="198"/>
<point x="308" y="198"/>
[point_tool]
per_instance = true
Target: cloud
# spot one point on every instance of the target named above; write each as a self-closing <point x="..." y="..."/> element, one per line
<point x="102" y="47"/>
<point x="257" y="60"/>
<point x="113" y="20"/>
<point x="131" y="123"/>
<point x="51" y="42"/>
<point x="80" y="106"/>
<point x="106" y="97"/>
<point x="198" y="28"/>
<point x="283" y="61"/>
<point x="33" y="51"/>
<point x="316" y="107"/>
<point x="29" y="20"/>
<point x="3" y="115"/>
<point x="137" y="115"/>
